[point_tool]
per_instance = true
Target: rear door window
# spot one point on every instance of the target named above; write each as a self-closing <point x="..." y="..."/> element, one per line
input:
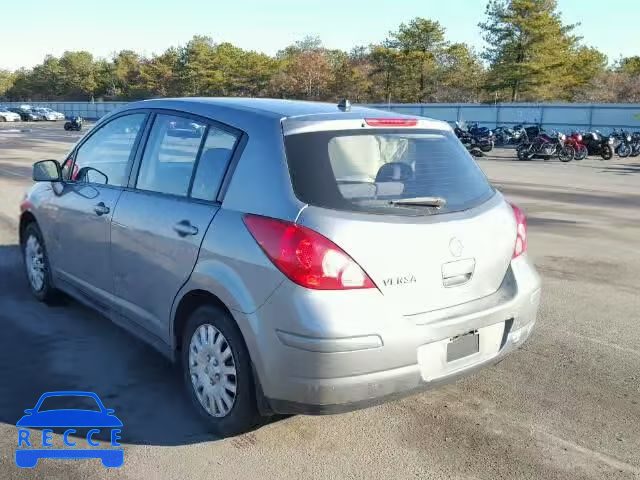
<point x="170" y="155"/>
<point x="375" y="170"/>
<point x="213" y="163"/>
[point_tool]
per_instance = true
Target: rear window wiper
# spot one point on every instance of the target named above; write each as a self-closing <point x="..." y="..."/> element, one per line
<point x="437" y="202"/>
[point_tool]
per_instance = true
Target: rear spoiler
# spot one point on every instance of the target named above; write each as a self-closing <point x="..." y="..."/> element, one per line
<point x="316" y="123"/>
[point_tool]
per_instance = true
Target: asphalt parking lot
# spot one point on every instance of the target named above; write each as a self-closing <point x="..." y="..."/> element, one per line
<point x="567" y="405"/>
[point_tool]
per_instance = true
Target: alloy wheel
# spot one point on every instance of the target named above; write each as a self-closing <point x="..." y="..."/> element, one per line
<point x="581" y="153"/>
<point x="566" y="153"/>
<point x="624" y="150"/>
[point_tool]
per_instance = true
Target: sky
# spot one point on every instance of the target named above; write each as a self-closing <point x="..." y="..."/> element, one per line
<point x="32" y="29"/>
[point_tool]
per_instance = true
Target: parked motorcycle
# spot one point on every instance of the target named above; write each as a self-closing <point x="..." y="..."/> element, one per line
<point x="528" y="134"/>
<point x="477" y="131"/>
<point x="635" y="144"/>
<point x="526" y="148"/>
<point x="74" y="124"/>
<point x="546" y="146"/>
<point x="471" y="140"/>
<point x="622" y="143"/>
<point x="575" y="140"/>
<point x="533" y="131"/>
<point x="598" y="144"/>
<point x="508" y="136"/>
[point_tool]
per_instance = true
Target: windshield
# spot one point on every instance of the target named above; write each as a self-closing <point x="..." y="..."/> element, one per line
<point x="374" y="170"/>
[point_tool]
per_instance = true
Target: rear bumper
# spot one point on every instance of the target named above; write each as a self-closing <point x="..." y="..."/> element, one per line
<point x="335" y="355"/>
<point x="356" y="392"/>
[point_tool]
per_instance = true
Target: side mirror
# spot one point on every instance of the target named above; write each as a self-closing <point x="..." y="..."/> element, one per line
<point x="47" y="171"/>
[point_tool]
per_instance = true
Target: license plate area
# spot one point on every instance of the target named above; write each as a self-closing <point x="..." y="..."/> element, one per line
<point x="463" y="346"/>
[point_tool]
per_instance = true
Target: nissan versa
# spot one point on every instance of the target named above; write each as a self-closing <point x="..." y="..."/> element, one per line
<point x="294" y="257"/>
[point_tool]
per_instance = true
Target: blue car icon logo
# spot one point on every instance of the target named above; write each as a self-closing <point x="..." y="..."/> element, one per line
<point x="27" y="456"/>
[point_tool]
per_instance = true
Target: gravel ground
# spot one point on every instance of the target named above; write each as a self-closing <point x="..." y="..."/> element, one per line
<point x="567" y="405"/>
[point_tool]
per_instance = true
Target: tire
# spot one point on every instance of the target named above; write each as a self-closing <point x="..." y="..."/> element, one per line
<point x="523" y="152"/>
<point x="607" y="152"/>
<point x="67" y="126"/>
<point x="581" y="152"/>
<point x="486" y="147"/>
<point x="635" y="151"/>
<point x="566" y="153"/>
<point x="36" y="264"/>
<point x="2" y="119"/>
<point x="624" y="150"/>
<point x="207" y="327"/>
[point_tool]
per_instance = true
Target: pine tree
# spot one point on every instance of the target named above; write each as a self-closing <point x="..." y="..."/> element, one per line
<point x="419" y="44"/>
<point x="529" y="49"/>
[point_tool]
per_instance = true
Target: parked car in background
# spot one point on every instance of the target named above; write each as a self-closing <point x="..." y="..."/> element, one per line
<point x="57" y="115"/>
<point x="48" y="114"/>
<point x="7" y="115"/>
<point x="294" y="257"/>
<point x="26" y="115"/>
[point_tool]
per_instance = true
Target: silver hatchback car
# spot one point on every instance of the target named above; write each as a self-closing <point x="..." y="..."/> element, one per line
<point x="294" y="257"/>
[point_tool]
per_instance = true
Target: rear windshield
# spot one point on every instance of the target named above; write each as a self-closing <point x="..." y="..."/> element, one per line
<point x="374" y="171"/>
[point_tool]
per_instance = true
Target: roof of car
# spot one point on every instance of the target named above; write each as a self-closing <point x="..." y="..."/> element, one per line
<point x="247" y="114"/>
<point x="270" y="107"/>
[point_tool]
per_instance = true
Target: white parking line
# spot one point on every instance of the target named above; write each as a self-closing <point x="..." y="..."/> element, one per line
<point x="605" y="343"/>
<point x="589" y="453"/>
<point x="9" y="172"/>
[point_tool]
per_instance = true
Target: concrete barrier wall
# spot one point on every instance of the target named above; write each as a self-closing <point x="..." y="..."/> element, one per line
<point x="88" y="110"/>
<point x="558" y="116"/>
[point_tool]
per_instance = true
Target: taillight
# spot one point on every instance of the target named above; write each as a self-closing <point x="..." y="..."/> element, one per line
<point x="521" y="232"/>
<point x="306" y="257"/>
<point x="391" y="122"/>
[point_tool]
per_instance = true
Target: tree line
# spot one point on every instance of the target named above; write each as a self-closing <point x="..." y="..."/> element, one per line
<point x="531" y="56"/>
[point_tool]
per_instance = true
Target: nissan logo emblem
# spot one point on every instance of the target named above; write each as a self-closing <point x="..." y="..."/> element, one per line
<point x="455" y="247"/>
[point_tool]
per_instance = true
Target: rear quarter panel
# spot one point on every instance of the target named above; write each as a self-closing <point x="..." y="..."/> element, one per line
<point x="232" y="267"/>
<point x="260" y="183"/>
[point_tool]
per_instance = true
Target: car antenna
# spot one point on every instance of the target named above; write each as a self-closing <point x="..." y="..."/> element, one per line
<point x="344" y="105"/>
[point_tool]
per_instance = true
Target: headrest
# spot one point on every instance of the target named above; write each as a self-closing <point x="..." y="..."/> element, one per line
<point x="394" y="172"/>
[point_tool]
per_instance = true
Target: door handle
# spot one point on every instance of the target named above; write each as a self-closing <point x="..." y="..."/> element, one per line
<point x="101" y="209"/>
<point x="185" y="228"/>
